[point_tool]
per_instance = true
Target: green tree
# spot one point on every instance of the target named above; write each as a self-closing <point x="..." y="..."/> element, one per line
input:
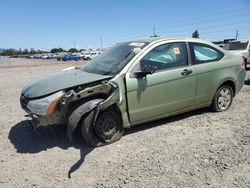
<point x="56" y="50"/>
<point x="72" y="50"/>
<point x="25" y="52"/>
<point x="32" y="51"/>
<point x="8" y="52"/>
<point x="19" y="52"/>
<point x="196" y="34"/>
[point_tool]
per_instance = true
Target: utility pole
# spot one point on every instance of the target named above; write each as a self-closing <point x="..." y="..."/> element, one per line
<point x="154" y="34"/>
<point x="74" y="44"/>
<point x="237" y="34"/>
<point x="154" y="30"/>
<point x="101" y="42"/>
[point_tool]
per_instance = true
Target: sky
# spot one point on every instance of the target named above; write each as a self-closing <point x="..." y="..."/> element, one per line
<point x="46" y="24"/>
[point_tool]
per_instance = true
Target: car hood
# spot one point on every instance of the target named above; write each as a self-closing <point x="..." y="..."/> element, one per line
<point x="61" y="80"/>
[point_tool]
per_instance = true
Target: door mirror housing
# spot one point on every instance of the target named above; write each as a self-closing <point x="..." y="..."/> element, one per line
<point x="141" y="74"/>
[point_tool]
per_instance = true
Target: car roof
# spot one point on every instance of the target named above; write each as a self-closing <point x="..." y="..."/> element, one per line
<point x="176" y="39"/>
<point x="158" y="39"/>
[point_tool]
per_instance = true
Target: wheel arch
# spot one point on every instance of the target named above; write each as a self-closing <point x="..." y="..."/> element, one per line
<point x="115" y="107"/>
<point x="230" y="83"/>
<point x="78" y="113"/>
<point x="214" y="105"/>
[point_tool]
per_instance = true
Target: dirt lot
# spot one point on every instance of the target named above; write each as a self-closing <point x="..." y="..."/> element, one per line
<point x="196" y="149"/>
<point x="6" y="62"/>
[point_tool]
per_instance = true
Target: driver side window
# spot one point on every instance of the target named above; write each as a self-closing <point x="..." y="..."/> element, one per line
<point x="165" y="56"/>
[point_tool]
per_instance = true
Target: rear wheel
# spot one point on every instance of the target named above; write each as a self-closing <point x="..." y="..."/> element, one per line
<point x="107" y="128"/>
<point x="223" y="99"/>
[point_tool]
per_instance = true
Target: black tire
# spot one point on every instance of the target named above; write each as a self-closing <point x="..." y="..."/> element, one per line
<point x="95" y="135"/>
<point x="222" y="103"/>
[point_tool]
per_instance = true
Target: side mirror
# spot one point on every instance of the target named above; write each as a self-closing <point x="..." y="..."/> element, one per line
<point x="141" y="74"/>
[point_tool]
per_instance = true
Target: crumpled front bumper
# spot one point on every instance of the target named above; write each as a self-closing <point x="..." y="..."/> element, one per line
<point x="33" y="120"/>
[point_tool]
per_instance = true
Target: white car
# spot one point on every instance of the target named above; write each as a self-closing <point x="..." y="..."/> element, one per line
<point x="240" y="47"/>
<point x="91" y="55"/>
<point x="44" y="56"/>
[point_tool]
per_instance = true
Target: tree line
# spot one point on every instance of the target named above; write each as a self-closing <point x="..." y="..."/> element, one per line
<point x="32" y="51"/>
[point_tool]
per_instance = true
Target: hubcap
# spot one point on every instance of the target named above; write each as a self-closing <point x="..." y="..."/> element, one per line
<point x="106" y="126"/>
<point x="224" y="99"/>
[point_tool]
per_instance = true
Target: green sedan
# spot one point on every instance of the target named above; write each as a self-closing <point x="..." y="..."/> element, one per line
<point x="132" y="83"/>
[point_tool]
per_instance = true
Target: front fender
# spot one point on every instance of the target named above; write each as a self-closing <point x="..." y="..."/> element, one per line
<point x="76" y="115"/>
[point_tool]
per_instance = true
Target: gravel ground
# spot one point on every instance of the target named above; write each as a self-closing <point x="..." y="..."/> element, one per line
<point x="196" y="149"/>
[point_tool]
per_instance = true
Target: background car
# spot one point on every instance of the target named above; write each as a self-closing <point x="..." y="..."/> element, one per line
<point x="71" y="57"/>
<point x="91" y="55"/>
<point x="239" y="47"/>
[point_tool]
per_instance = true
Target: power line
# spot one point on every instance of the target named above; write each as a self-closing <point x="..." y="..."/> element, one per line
<point x="214" y="27"/>
<point x="213" y="18"/>
<point x="181" y="25"/>
<point x="224" y="27"/>
<point x="187" y="34"/>
<point x="169" y="28"/>
<point x="213" y="32"/>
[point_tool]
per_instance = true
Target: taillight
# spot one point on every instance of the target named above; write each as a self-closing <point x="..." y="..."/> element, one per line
<point x="243" y="64"/>
<point x="245" y="60"/>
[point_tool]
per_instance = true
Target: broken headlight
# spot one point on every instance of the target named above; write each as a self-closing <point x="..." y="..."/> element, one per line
<point x="45" y="106"/>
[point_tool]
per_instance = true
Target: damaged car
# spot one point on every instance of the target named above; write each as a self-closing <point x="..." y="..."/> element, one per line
<point x="132" y="83"/>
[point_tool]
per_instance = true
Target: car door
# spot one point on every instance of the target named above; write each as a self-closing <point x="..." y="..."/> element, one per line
<point x="170" y="88"/>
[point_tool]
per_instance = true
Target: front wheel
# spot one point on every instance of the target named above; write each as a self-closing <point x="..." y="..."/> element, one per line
<point x="107" y="128"/>
<point x="223" y="99"/>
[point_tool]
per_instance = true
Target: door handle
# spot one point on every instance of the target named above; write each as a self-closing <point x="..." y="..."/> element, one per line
<point x="186" y="72"/>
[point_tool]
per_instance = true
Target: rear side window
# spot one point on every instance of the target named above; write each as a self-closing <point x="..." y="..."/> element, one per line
<point x="202" y="53"/>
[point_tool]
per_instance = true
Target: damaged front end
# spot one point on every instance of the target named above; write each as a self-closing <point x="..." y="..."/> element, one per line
<point x="69" y="106"/>
<point x="81" y="102"/>
<point x="40" y="112"/>
<point x="52" y="109"/>
<point x="114" y="97"/>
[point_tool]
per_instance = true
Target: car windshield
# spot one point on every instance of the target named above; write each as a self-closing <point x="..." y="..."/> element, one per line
<point x="114" y="59"/>
<point x="236" y="45"/>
